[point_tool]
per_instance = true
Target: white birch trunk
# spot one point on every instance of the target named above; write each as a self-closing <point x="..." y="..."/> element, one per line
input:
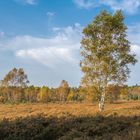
<point x="102" y="102"/>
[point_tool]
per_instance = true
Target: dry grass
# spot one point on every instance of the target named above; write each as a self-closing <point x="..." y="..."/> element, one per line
<point x="130" y="108"/>
<point x="71" y="121"/>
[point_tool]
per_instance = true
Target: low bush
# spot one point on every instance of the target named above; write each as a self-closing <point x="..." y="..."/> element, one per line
<point x="96" y="127"/>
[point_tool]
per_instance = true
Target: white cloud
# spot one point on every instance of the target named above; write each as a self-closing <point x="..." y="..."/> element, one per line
<point x="50" y="56"/>
<point x="63" y="48"/>
<point x="56" y="29"/>
<point x="136" y="50"/>
<point x="85" y="3"/>
<point x="30" y="2"/>
<point x="129" y="6"/>
<point x="50" y="14"/>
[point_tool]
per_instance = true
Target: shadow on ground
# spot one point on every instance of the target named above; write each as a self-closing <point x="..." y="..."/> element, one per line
<point x="71" y="128"/>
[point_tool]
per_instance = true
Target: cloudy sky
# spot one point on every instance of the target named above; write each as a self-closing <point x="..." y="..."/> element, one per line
<point x="43" y="36"/>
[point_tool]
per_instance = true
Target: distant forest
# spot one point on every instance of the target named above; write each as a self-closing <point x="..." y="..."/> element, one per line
<point x="14" y="89"/>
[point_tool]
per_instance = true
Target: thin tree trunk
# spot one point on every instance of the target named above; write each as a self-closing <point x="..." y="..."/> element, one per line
<point x="102" y="102"/>
<point x="103" y="94"/>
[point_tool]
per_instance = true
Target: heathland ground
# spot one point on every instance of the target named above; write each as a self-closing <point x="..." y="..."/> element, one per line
<point x="70" y="121"/>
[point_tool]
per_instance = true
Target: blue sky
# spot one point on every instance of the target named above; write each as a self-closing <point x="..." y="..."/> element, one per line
<point x="43" y="36"/>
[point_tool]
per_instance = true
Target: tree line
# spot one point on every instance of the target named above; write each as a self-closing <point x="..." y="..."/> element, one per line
<point x="15" y="89"/>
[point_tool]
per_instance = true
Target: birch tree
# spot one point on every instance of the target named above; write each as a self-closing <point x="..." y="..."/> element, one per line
<point x="106" y="53"/>
<point x="15" y="78"/>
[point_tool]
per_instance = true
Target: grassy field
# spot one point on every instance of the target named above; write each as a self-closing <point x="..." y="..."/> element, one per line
<point x="78" y="121"/>
<point x="75" y="109"/>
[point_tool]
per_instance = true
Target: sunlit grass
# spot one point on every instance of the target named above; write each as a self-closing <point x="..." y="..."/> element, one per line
<point x="125" y="108"/>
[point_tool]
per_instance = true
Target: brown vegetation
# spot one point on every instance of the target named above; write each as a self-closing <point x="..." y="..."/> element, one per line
<point x="78" y="121"/>
<point x="76" y="109"/>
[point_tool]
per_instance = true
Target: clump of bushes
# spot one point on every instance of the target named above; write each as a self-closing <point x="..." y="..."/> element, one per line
<point x="70" y="127"/>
